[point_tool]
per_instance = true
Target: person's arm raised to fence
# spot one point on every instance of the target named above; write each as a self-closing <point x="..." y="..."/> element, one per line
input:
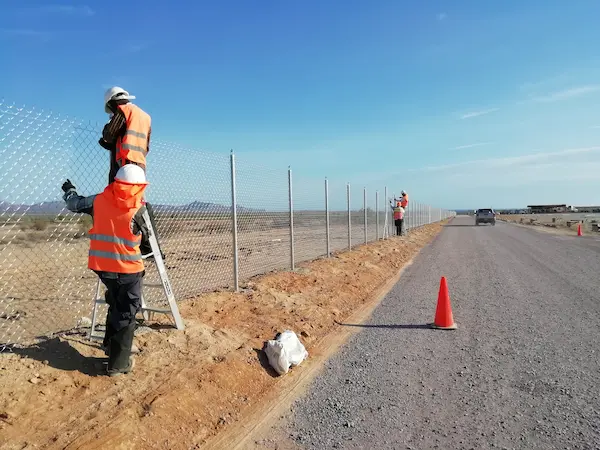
<point x="115" y="127"/>
<point x="75" y="202"/>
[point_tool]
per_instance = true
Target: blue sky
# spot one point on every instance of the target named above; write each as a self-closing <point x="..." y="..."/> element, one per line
<point x="464" y="104"/>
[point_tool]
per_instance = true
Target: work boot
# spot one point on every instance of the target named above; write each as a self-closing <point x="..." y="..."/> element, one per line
<point x="117" y="372"/>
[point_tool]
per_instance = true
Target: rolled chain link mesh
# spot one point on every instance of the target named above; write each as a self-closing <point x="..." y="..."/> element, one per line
<point x="45" y="285"/>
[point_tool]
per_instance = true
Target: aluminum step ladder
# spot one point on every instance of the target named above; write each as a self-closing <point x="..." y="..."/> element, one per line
<point x="165" y="284"/>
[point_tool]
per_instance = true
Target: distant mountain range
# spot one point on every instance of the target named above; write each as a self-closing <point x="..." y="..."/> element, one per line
<point x="198" y="206"/>
<point x="54" y="208"/>
<point x="46" y="208"/>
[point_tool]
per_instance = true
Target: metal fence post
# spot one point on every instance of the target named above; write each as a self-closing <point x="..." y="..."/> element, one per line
<point x="376" y="215"/>
<point x="327" y="216"/>
<point x="416" y="218"/>
<point x="386" y="230"/>
<point x="365" y="212"/>
<point x="291" y="208"/>
<point x="349" y="217"/>
<point x="236" y="275"/>
<point x="429" y="220"/>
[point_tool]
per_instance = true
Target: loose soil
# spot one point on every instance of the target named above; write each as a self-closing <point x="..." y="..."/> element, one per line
<point x="190" y="387"/>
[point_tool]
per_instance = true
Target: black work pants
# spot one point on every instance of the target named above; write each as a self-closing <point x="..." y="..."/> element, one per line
<point x="124" y="299"/>
<point x="398" y="223"/>
<point x="114" y="166"/>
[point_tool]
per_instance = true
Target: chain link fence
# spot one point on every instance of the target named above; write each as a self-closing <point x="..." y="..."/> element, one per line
<point x="45" y="286"/>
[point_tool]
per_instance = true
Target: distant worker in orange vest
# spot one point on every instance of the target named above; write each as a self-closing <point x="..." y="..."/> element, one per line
<point x="127" y="133"/>
<point x="118" y="239"/>
<point x="398" y="217"/>
<point x="404" y="200"/>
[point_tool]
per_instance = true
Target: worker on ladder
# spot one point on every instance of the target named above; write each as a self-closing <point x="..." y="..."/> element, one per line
<point x="118" y="239"/>
<point x="404" y="200"/>
<point x="127" y="133"/>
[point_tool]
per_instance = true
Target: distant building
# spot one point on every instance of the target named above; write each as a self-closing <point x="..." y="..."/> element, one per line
<point x="588" y="209"/>
<point x="548" y="209"/>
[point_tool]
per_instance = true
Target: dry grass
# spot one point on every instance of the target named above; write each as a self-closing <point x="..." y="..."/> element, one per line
<point x="559" y="222"/>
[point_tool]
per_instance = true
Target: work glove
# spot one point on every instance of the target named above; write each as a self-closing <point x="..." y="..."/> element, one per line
<point x="67" y="186"/>
<point x="106" y="145"/>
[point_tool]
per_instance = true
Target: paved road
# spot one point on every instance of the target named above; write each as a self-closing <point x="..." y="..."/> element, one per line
<point x="521" y="371"/>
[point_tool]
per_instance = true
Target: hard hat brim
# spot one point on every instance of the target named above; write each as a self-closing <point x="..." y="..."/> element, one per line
<point x="120" y="97"/>
<point x="145" y="183"/>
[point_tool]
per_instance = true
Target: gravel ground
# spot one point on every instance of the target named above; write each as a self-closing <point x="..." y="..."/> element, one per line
<point x="521" y="371"/>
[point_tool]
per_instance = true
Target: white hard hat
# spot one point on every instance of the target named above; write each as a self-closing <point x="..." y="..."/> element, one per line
<point x="115" y="93"/>
<point x="403" y="192"/>
<point x="131" y="174"/>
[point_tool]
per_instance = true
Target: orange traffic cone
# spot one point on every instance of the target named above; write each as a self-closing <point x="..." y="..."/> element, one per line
<point x="579" y="233"/>
<point x="443" y="313"/>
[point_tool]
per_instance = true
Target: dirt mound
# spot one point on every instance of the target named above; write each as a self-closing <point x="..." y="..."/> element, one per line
<point x="188" y="386"/>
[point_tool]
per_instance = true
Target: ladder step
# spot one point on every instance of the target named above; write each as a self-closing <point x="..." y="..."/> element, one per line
<point x="157" y="310"/>
<point x="153" y="285"/>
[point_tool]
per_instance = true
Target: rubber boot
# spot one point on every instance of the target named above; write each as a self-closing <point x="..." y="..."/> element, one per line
<point x="119" y="360"/>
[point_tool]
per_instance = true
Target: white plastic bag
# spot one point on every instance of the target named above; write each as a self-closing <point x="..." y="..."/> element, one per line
<point x="285" y="351"/>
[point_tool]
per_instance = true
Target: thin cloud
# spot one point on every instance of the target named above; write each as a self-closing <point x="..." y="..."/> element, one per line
<point x="481" y="112"/>
<point x="82" y="10"/>
<point x="495" y="163"/>
<point x="567" y="93"/>
<point x="136" y="48"/>
<point x="547" y="83"/>
<point x="441" y="16"/>
<point x="478" y="144"/>
<point x="595" y="127"/>
<point x="25" y="33"/>
<point x="130" y="48"/>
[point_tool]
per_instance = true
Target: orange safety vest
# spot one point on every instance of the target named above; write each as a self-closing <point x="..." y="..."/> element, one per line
<point x="404" y="201"/>
<point x="133" y="146"/>
<point x="113" y="246"/>
<point x="397" y="212"/>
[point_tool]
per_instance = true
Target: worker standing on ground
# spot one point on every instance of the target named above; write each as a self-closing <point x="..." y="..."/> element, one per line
<point x="403" y="206"/>
<point x="127" y="133"/>
<point x="118" y="238"/>
<point x="398" y="216"/>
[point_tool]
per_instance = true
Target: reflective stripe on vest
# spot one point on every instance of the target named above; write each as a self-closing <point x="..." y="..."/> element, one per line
<point x="115" y="256"/>
<point x="397" y="213"/>
<point x="133" y="146"/>
<point x="114" y="239"/>
<point x="113" y="246"/>
<point x="136" y="134"/>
